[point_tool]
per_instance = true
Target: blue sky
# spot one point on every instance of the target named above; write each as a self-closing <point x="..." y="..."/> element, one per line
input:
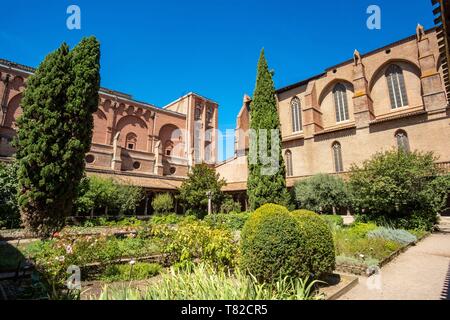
<point x="160" y="50"/>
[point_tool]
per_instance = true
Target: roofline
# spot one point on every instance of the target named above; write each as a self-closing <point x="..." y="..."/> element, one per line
<point x="105" y="91"/>
<point x="398" y="42"/>
<point x="191" y="93"/>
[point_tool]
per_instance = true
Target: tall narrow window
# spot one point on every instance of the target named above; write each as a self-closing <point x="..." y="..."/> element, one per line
<point x="209" y="114"/>
<point x="340" y="102"/>
<point x="337" y="155"/>
<point x="397" y="88"/>
<point x="289" y="168"/>
<point x="402" y="141"/>
<point x="296" y="112"/>
<point x="198" y="112"/>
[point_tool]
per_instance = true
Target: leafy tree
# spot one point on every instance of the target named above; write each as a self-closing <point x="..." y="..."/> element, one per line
<point x="193" y="191"/>
<point x="96" y="193"/>
<point x="163" y="203"/>
<point x="399" y="188"/>
<point x="55" y="133"/>
<point x="321" y="193"/>
<point x="265" y="188"/>
<point x="229" y="205"/>
<point x="9" y="210"/>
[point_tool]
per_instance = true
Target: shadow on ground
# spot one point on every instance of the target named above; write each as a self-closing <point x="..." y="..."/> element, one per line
<point x="445" y="295"/>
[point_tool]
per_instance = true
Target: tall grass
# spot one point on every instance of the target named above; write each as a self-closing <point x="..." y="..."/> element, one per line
<point x="204" y="283"/>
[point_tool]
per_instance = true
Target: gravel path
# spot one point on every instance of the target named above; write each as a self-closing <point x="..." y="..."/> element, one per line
<point x="421" y="273"/>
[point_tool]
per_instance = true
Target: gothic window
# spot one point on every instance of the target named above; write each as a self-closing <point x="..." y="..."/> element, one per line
<point x="402" y="141"/>
<point x="340" y="102"/>
<point x="296" y="113"/>
<point x="289" y="168"/>
<point x="131" y="141"/>
<point x="396" y="86"/>
<point x="337" y="157"/>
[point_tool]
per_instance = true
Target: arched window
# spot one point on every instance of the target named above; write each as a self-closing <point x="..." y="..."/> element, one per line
<point x="337" y="155"/>
<point x="402" y="141"/>
<point x="296" y="112"/>
<point x="131" y="141"/>
<point x="289" y="168"/>
<point x="209" y="114"/>
<point x="198" y="112"/>
<point x="396" y="85"/>
<point x="340" y="102"/>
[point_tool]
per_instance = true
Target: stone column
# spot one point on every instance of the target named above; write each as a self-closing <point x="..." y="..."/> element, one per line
<point x="362" y="102"/>
<point x="433" y="93"/>
<point x="4" y="93"/>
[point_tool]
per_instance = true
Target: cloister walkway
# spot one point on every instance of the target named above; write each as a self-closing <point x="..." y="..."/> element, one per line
<point x="421" y="273"/>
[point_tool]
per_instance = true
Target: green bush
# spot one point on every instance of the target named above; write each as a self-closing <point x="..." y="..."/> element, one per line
<point x="360" y="230"/>
<point x="322" y="193"/>
<point x="163" y="204"/>
<point x="229" y="205"/>
<point x="401" y="236"/>
<point x="334" y="221"/>
<point x="128" y="272"/>
<point x="9" y="209"/>
<point x="195" y="241"/>
<point x="400" y="189"/>
<point x="272" y="245"/>
<point x="97" y="193"/>
<point x="318" y="246"/>
<point x="172" y="219"/>
<point x="232" y="221"/>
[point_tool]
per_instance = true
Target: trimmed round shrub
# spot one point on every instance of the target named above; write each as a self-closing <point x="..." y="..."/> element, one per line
<point x="271" y="245"/>
<point x="318" y="245"/>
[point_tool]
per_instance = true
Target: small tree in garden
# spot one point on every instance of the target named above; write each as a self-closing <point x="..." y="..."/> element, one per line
<point x="399" y="188"/>
<point x="193" y="190"/>
<point x="263" y="188"/>
<point x="229" y="205"/>
<point x="97" y="193"/>
<point x="322" y="193"/>
<point x="163" y="203"/>
<point x="55" y="133"/>
<point x="9" y="210"/>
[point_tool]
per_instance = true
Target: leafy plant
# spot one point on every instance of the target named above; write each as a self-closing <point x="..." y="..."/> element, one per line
<point x="9" y="209"/>
<point x="206" y="283"/>
<point x="322" y="193"/>
<point x="128" y="272"/>
<point x="334" y="221"/>
<point x="195" y="242"/>
<point x="232" y="221"/>
<point x="399" y="189"/>
<point x="163" y="204"/>
<point x="401" y="236"/>
<point x="229" y="205"/>
<point x="193" y="191"/>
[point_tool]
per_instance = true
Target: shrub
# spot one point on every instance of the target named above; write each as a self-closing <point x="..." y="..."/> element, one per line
<point x="334" y="221"/>
<point x="229" y="205"/>
<point x="127" y="272"/>
<point x="163" y="203"/>
<point x="196" y="241"/>
<point x="360" y="230"/>
<point x="172" y="219"/>
<point x="99" y="193"/>
<point x="205" y="283"/>
<point x="401" y="236"/>
<point x="322" y="193"/>
<point x="9" y="209"/>
<point x="232" y="221"/>
<point x="193" y="190"/>
<point x="399" y="189"/>
<point x="318" y="244"/>
<point x="272" y="245"/>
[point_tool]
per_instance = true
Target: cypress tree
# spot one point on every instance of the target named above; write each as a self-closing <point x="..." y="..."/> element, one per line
<point x="263" y="188"/>
<point x="54" y="134"/>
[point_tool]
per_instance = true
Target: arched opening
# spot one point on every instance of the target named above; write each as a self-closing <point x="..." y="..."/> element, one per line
<point x="340" y="102"/>
<point x="337" y="157"/>
<point x="289" y="168"/>
<point x="296" y="115"/>
<point x="402" y="141"/>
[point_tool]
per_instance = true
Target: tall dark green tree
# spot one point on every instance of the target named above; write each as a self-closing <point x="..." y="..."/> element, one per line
<point x="55" y="133"/>
<point x="264" y="186"/>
